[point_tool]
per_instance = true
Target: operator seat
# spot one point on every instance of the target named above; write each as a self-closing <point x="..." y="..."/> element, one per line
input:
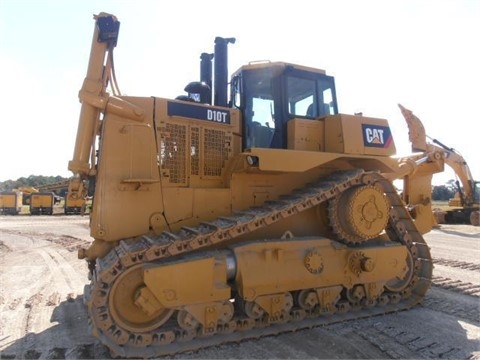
<point x="310" y="110"/>
<point x="262" y="135"/>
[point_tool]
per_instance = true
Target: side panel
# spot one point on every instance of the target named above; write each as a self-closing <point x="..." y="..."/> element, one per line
<point x="127" y="190"/>
<point x="306" y="135"/>
<point x="10" y="202"/>
<point x="41" y="200"/>
<point x="362" y="135"/>
<point x="165" y="171"/>
<point x="276" y="267"/>
<point x="7" y="200"/>
<point x="41" y="203"/>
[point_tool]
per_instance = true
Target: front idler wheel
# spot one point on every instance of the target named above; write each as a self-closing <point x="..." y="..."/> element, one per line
<point x="124" y="304"/>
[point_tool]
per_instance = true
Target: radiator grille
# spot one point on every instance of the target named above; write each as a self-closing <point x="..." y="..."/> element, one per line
<point x="173" y="155"/>
<point x="195" y="151"/>
<point x="216" y="152"/>
<point x="202" y="152"/>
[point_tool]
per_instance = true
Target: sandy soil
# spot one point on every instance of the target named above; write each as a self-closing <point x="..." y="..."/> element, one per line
<point x="42" y="315"/>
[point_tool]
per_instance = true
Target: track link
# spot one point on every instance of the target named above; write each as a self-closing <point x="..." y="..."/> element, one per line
<point x="170" y="339"/>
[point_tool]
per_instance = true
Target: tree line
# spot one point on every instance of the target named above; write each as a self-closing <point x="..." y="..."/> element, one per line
<point x="444" y="192"/>
<point x="31" y="181"/>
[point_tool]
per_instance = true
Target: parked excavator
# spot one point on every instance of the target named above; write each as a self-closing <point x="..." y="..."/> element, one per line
<point x="464" y="207"/>
<point x="239" y="210"/>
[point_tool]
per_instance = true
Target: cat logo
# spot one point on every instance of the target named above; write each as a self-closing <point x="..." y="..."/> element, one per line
<point x="376" y="136"/>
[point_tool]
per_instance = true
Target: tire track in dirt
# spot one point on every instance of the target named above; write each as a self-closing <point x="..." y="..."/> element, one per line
<point x="400" y="343"/>
<point x="456" y="285"/>
<point x="68" y="242"/>
<point x="54" y="280"/>
<point x="459" y="286"/>
<point x="63" y="274"/>
<point x="19" y="306"/>
<point x="404" y="336"/>
<point x="457" y="264"/>
<point x="447" y="302"/>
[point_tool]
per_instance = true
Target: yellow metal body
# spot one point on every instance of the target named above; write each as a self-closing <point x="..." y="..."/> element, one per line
<point x="199" y="171"/>
<point x="267" y="270"/>
<point x="174" y="171"/>
<point x="282" y="266"/>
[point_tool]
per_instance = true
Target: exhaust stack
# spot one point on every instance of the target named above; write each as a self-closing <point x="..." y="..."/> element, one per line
<point x="221" y="70"/>
<point x="206" y="73"/>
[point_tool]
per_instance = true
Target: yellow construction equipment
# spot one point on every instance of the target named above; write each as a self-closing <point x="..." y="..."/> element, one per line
<point x="41" y="203"/>
<point x="10" y="202"/>
<point x="245" y="208"/>
<point x="26" y="191"/>
<point x="75" y="195"/>
<point x="74" y="202"/>
<point x="74" y="199"/>
<point x="464" y="207"/>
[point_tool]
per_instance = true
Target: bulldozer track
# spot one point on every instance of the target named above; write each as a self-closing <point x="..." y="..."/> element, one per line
<point x="171" y="339"/>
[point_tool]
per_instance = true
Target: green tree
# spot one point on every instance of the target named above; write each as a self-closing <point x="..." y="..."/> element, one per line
<point x="32" y="180"/>
<point x="442" y="192"/>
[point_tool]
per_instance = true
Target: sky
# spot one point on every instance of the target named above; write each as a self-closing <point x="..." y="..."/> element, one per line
<point x="421" y="54"/>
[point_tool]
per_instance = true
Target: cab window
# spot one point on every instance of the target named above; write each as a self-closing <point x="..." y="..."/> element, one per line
<point x="258" y="104"/>
<point x="310" y="97"/>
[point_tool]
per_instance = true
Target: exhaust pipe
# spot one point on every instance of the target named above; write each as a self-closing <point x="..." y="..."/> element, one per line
<point x="206" y="73"/>
<point x="221" y="70"/>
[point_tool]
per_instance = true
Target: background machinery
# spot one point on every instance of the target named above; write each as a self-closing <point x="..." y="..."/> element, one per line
<point x="72" y="204"/>
<point x="10" y="202"/>
<point x="26" y="191"/>
<point x="41" y="203"/>
<point x="74" y="200"/>
<point x="46" y="197"/>
<point x="464" y="207"/>
<point x="239" y="210"/>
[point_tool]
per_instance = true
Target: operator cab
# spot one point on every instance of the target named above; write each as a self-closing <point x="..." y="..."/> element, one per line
<point x="270" y="94"/>
<point x="476" y="191"/>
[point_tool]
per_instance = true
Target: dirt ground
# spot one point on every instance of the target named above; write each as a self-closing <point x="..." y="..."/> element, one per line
<point x="42" y="315"/>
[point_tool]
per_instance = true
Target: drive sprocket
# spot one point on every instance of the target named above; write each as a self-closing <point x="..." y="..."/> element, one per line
<point x="359" y="214"/>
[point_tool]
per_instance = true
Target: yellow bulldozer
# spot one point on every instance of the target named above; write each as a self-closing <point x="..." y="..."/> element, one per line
<point x="246" y="207"/>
